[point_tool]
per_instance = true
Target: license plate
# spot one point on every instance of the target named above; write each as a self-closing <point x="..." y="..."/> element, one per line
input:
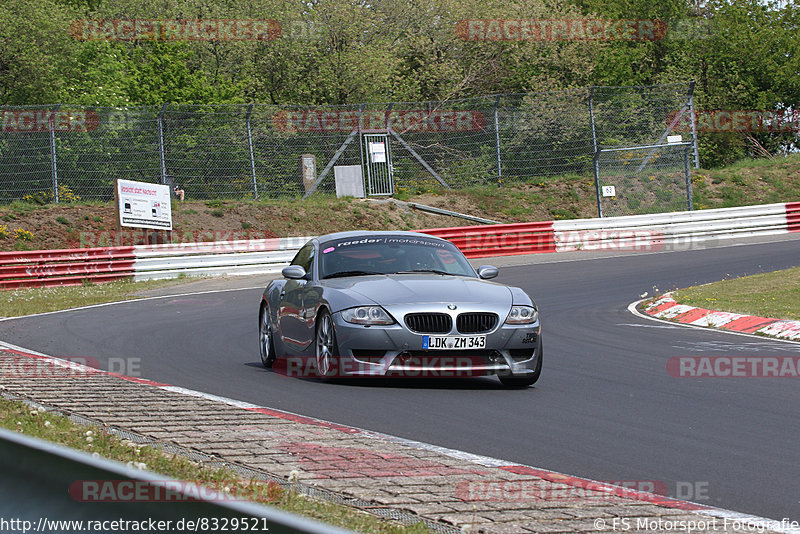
<point x="453" y="342"/>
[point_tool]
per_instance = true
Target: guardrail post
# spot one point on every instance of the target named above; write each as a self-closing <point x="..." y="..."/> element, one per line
<point x="160" y="120"/>
<point x="53" y="160"/>
<point x="250" y="147"/>
<point x="497" y="141"/>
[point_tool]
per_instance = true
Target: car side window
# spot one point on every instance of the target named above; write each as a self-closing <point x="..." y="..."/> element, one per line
<point x="304" y="257"/>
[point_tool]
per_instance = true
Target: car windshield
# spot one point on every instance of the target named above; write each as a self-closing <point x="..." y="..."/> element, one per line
<point x="391" y="254"/>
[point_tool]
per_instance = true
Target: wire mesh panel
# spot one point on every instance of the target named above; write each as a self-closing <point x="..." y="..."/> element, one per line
<point x="26" y="166"/>
<point x="646" y="179"/>
<point x="636" y="116"/>
<point x="438" y="144"/>
<point x="254" y="151"/>
<point x="281" y="135"/>
<point x="206" y="151"/>
<point x="114" y="143"/>
<point x="545" y="134"/>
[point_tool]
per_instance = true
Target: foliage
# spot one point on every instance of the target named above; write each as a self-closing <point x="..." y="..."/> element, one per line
<point x="65" y="194"/>
<point x="744" y="54"/>
<point x="23" y="235"/>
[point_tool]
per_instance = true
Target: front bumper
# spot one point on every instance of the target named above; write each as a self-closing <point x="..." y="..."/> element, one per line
<point x="394" y="350"/>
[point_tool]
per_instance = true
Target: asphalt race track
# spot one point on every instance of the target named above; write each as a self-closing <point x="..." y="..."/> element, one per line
<point x="605" y="407"/>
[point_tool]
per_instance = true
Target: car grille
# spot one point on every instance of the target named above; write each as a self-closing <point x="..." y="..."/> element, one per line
<point x="476" y="323"/>
<point x="429" y="323"/>
<point x="449" y="357"/>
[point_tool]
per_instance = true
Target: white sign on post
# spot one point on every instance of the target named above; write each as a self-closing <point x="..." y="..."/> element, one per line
<point x="609" y="191"/>
<point x="377" y="152"/>
<point x="144" y="205"/>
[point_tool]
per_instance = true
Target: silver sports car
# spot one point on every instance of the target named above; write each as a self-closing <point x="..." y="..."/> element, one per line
<point x="396" y="304"/>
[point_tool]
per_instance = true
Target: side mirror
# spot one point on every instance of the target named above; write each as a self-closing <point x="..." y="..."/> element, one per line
<point x="487" y="271"/>
<point x="293" y="272"/>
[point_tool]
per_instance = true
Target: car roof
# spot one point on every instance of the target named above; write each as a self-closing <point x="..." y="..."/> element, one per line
<point x="373" y="233"/>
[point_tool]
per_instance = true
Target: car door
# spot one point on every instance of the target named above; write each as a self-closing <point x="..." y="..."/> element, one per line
<point x="292" y="318"/>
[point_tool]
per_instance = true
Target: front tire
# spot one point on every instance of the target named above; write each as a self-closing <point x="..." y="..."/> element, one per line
<point x="526" y="380"/>
<point x="266" y="343"/>
<point x="327" y="351"/>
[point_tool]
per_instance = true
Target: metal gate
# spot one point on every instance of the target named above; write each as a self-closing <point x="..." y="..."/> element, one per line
<point x="378" y="162"/>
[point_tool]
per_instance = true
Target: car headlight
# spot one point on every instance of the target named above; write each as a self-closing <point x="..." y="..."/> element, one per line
<point x="367" y="315"/>
<point x="522" y="315"/>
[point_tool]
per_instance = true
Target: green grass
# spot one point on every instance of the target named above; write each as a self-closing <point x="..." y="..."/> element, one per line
<point x="775" y="295"/>
<point x="26" y="301"/>
<point x="52" y="427"/>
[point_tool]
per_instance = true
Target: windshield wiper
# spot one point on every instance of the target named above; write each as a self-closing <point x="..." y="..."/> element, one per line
<point x="435" y="271"/>
<point x="349" y="273"/>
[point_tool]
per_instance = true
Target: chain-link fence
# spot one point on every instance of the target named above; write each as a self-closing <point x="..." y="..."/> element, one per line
<point x="60" y="153"/>
<point x="644" y="179"/>
<point x="638" y="166"/>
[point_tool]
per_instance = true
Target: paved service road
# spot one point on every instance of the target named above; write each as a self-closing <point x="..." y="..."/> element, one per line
<point x="605" y="407"/>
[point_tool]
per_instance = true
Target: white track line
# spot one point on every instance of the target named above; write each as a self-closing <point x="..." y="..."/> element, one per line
<point x="632" y="308"/>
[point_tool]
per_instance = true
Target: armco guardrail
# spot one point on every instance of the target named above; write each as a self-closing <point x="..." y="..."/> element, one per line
<point x="631" y="232"/>
<point x="264" y="256"/>
<point x="40" y="268"/>
<point x="793" y="216"/>
<point x="686" y="228"/>
<point x="500" y="239"/>
<point x="44" y="487"/>
<point x="257" y="256"/>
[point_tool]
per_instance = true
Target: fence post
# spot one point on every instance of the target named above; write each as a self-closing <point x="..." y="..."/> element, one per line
<point x="694" y="125"/>
<point x="250" y="146"/>
<point x="160" y="119"/>
<point x="53" y="160"/>
<point x="688" y="178"/>
<point x="595" y="163"/>
<point x="497" y="142"/>
<point x="361" y="140"/>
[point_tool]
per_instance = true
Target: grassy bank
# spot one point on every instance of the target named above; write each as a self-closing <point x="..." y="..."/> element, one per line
<point x="31" y="226"/>
<point x="775" y="295"/>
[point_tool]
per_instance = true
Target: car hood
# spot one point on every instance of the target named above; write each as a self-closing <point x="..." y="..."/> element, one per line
<point x="408" y="288"/>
